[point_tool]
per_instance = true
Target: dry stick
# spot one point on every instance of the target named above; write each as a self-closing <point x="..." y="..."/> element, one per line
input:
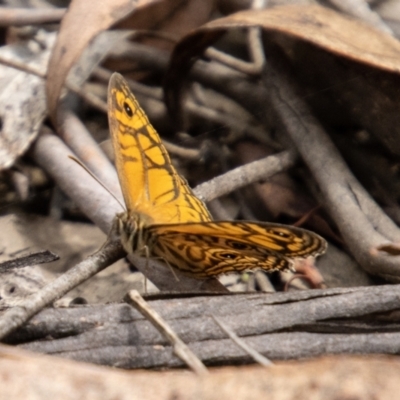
<point x="29" y="16"/>
<point x="40" y="257"/>
<point x="81" y="142"/>
<point x="279" y="346"/>
<point x="180" y="349"/>
<point x="252" y="68"/>
<point x="53" y="156"/>
<point x="255" y="48"/>
<point x="254" y="354"/>
<point x="182" y="152"/>
<point x="18" y="315"/>
<point x="248" y="315"/>
<point x="362" y="223"/>
<point x="244" y="175"/>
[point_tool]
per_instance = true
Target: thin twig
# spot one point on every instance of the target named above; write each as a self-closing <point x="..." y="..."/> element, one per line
<point x="257" y="357"/>
<point x="29" y="16"/>
<point x="179" y="347"/>
<point x="78" y="138"/>
<point x="244" y="175"/>
<point x="254" y="39"/>
<point x="39" y="257"/>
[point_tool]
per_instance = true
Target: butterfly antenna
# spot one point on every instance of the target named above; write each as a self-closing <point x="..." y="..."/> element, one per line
<point x="81" y="164"/>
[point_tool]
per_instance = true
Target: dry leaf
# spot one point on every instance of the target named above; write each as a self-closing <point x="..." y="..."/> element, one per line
<point x="82" y="22"/>
<point x="173" y="18"/>
<point x="22" y="97"/>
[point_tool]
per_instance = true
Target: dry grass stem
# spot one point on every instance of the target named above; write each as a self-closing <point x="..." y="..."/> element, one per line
<point x="255" y="355"/>
<point x="179" y="347"/>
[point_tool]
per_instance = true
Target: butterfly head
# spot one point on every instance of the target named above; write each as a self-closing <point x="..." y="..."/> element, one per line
<point x="130" y="227"/>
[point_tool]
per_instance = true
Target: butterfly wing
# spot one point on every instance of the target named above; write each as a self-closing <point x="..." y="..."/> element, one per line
<point x="214" y="248"/>
<point x="150" y="184"/>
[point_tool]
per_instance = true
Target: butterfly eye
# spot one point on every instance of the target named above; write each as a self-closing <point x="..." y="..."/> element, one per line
<point x="128" y="110"/>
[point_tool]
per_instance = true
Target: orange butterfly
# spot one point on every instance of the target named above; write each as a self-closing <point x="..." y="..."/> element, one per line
<point x="164" y="219"/>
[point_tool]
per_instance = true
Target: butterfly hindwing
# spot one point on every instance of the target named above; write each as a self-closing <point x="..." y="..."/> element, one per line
<point x="216" y="247"/>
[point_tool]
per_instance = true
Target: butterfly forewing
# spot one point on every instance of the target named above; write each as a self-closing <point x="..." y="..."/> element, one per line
<point x="150" y="183"/>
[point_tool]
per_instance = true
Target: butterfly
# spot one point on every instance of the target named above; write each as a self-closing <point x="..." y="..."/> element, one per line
<point x="164" y="219"/>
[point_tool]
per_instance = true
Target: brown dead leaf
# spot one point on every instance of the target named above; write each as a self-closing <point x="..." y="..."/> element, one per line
<point x="314" y="24"/>
<point x="82" y="22"/>
<point x="173" y="18"/>
<point x="325" y="28"/>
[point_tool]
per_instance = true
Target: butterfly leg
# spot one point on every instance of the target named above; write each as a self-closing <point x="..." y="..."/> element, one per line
<point x="113" y="234"/>
<point x="147" y="254"/>
<point x="169" y="266"/>
<point x="172" y="270"/>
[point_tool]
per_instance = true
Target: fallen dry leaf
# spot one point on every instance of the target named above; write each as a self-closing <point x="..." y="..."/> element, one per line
<point x="80" y="25"/>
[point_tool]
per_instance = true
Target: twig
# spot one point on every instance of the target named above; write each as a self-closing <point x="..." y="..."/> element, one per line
<point x="122" y="338"/>
<point x="183" y="152"/>
<point x="254" y="40"/>
<point x="179" y="347"/>
<point x="39" y="257"/>
<point x="244" y="175"/>
<point x="29" y="16"/>
<point x="81" y="142"/>
<point x="257" y="357"/>
<point x="18" y="315"/>
<point x="53" y="156"/>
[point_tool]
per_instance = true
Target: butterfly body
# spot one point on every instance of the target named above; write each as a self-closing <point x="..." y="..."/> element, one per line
<point x="166" y="220"/>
